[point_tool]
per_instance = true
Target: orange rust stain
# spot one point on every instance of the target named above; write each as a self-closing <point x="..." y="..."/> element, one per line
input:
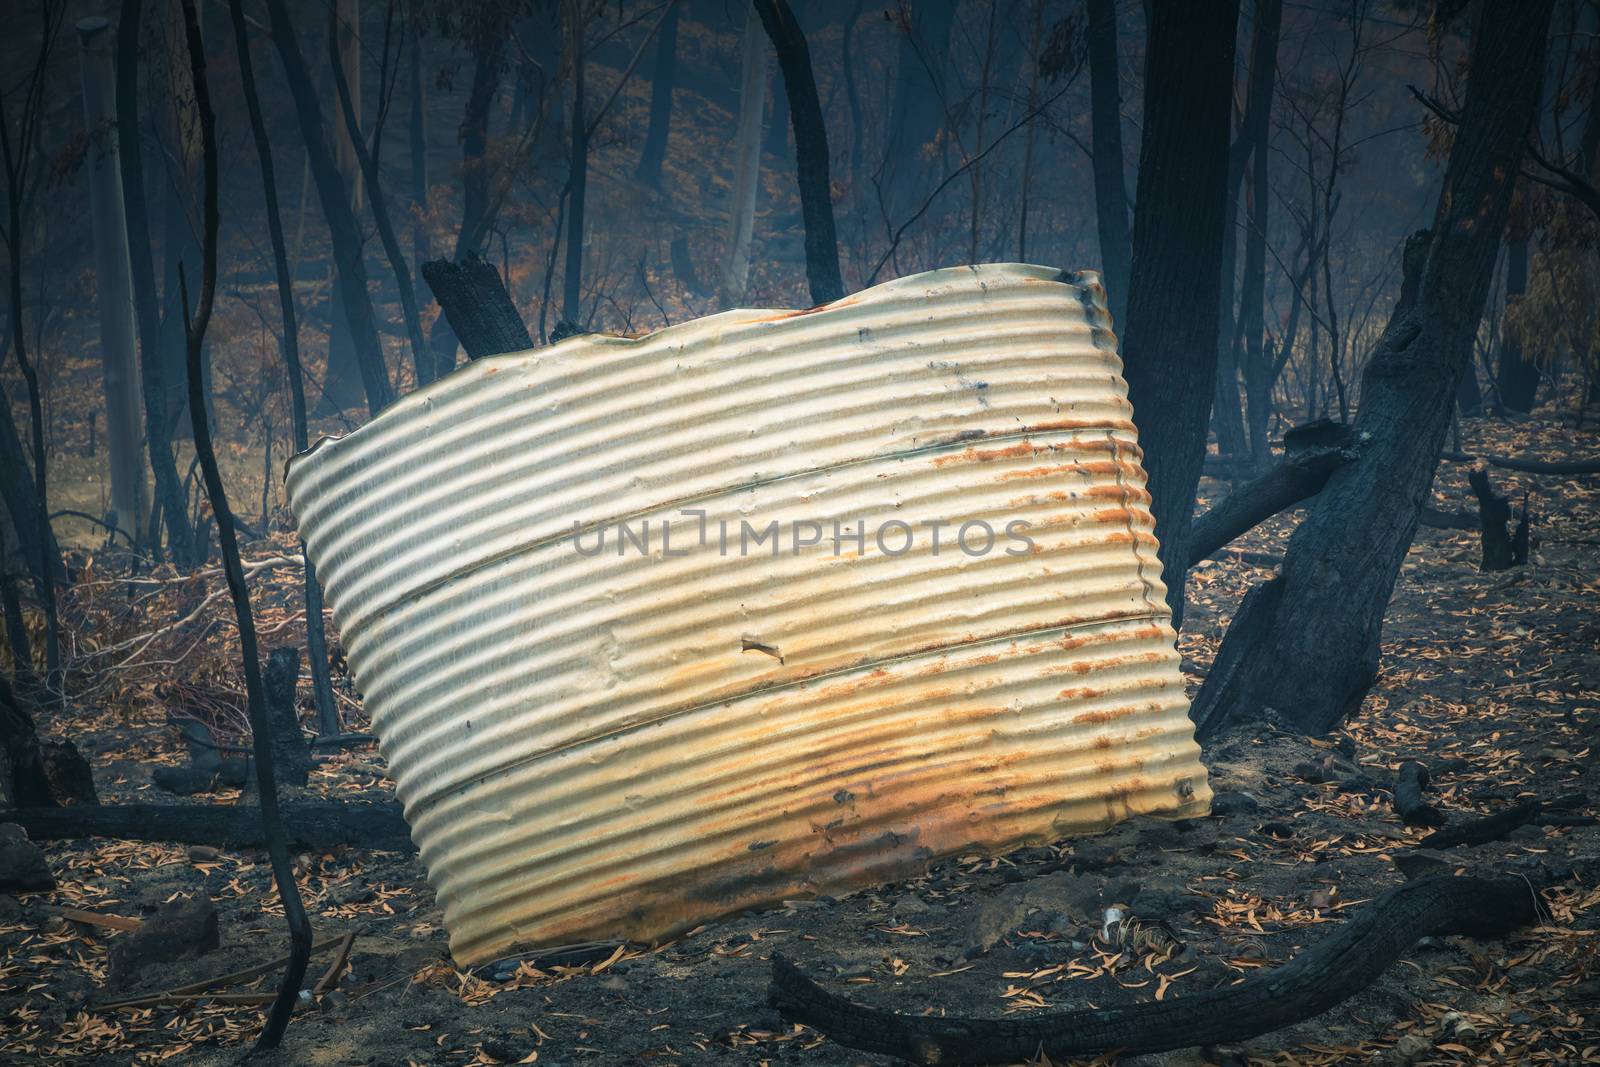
<point x="1082" y="424"/>
<point x="1035" y="472"/>
<point x="780" y="316"/>
<point x="1111" y="468"/>
<point x="1090" y="694"/>
<point x="1134" y="494"/>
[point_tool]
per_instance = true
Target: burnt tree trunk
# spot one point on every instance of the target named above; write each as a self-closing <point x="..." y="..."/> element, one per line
<point x="488" y="50"/>
<point x="810" y="149"/>
<point x="1251" y="144"/>
<point x="661" y="85"/>
<point x="205" y="454"/>
<point x="1517" y="376"/>
<point x="342" y="228"/>
<point x="21" y="495"/>
<point x="1170" y="341"/>
<point x="379" y="204"/>
<point x="479" y="309"/>
<point x="1110" y="187"/>
<point x="22" y="672"/>
<point x="23" y="781"/>
<point x="153" y="360"/>
<point x="291" y="756"/>
<point x="1502" y="549"/>
<point x="1306" y="644"/>
<point x="917" y="111"/>
<point x="577" y="181"/>
<point x="316" y="638"/>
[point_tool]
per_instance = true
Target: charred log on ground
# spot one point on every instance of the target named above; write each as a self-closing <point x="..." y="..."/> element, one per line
<point x="1322" y="976"/>
<point x="311" y="824"/>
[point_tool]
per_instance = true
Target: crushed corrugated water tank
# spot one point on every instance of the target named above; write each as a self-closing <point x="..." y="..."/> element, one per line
<point x="763" y="605"/>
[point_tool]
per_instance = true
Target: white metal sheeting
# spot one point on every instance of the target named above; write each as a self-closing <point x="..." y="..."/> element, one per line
<point x="626" y="743"/>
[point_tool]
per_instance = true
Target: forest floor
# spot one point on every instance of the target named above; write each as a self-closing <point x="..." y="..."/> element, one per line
<point x="1491" y="679"/>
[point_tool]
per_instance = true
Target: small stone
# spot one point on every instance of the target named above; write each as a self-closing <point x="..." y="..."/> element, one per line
<point x="1421" y="863"/>
<point x="182" y="928"/>
<point x="501" y="1051"/>
<point x="1090" y="856"/>
<point x="1322" y="898"/>
<point x="23" y="867"/>
<point x="204" y="854"/>
<point x="910" y="905"/>
<point x="1407" y="1050"/>
<point x="1234" y="804"/>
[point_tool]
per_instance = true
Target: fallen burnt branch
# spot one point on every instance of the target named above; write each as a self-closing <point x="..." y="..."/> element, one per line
<point x="1446" y="520"/>
<point x="1409" y="784"/>
<point x="1488" y="828"/>
<point x="1327" y="973"/>
<point x="1528" y="466"/>
<point x="312" y="824"/>
<point x="188" y="994"/>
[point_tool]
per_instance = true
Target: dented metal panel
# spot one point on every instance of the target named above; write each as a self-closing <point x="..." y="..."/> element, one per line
<point x="629" y="741"/>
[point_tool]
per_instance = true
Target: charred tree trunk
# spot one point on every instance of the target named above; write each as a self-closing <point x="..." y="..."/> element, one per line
<point x="176" y="127"/>
<point x="31" y="517"/>
<point x="368" y="168"/>
<point x="479" y="308"/>
<point x="1110" y="187"/>
<point x="1502" y="549"/>
<point x="810" y="148"/>
<point x="417" y="144"/>
<point x="113" y="289"/>
<point x="342" y="228"/>
<point x="746" y="162"/>
<point x="291" y="755"/>
<point x="316" y="639"/>
<point x="488" y="51"/>
<point x="1306" y="644"/>
<point x="1251" y="144"/>
<point x="918" y="110"/>
<point x="577" y="181"/>
<point x="23" y="782"/>
<point x="35" y="538"/>
<point x="153" y="363"/>
<point x="661" y="86"/>
<point x="1170" y="341"/>
<point x="27" y="680"/>
<point x="1517" y="376"/>
<point x="260" y="721"/>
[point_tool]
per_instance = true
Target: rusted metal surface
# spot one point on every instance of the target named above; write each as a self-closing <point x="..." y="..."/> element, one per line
<point x="594" y="744"/>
